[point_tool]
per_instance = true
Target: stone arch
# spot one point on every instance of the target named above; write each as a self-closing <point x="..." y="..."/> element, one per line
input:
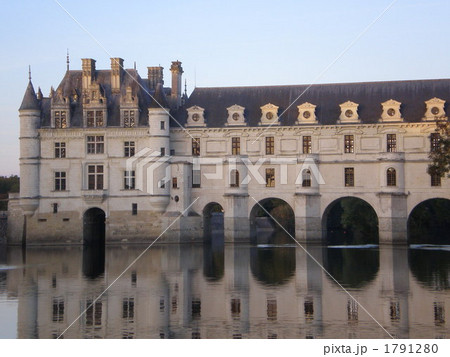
<point x="350" y="220"/>
<point x="428" y="222"/>
<point x="94" y="227"/>
<point x="213" y="223"/>
<point x="264" y="217"/>
<point x="272" y="266"/>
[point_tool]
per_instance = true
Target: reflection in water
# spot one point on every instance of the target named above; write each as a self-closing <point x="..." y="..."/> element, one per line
<point x="431" y="267"/>
<point x="231" y="291"/>
<point x="352" y="267"/>
<point x="93" y="260"/>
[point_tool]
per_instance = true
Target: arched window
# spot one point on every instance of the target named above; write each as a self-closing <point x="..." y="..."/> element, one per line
<point x="391" y="177"/>
<point x="234" y="178"/>
<point x="306" y="178"/>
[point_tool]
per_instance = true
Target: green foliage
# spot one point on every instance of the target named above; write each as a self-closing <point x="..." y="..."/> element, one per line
<point x="7" y="185"/>
<point x="440" y="158"/>
<point x="280" y="211"/>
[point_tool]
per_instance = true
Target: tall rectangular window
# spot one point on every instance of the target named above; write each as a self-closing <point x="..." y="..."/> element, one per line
<point x="435" y="139"/>
<point x="60" y="119"/>
<point x="235" y="146"/>
<point x="93" y="313"/>
<point x="60" y="181"/>
<point x="60" y="150"/>
<point x="163" y="125"/>
<point x="134" y="209"/>
<point x="270" y="177"/>
<point x="58" y="310"/>
<point x="307" y="146"/>
<point x="435" y="180"/>
<point x="349" y="176"/>
<point x="271" y="310"/>
<point x="235" y="308"/>
<point x="95" y="177"/>
<point x="348" y="144"/>
<point x="129" y="148"/>
<point x="129" y="178"/>
<point x="129" y="120"/>
<point x="196" y="147"/>
<point x="309" y="310"/>
<point x="163" y="151"/>
<point x="270" y="145"/>
<point x="95" y="144"/>
<point x="174" y="182"/>
<point x="391" y="142"/>
<point x="94" y="118"/>
<point x="196" y="178"/>
<point x="128" y="309"/>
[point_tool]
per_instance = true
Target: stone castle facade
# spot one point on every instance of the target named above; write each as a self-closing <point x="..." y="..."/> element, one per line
<point x="114" y="145"/>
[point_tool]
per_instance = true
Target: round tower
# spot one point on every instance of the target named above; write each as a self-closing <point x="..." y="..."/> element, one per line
<point x="30" y="116"/>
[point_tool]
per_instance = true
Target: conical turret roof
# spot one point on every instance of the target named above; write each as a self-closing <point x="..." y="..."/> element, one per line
<point x="30" y="101"/>
<point x="159" y="98"/>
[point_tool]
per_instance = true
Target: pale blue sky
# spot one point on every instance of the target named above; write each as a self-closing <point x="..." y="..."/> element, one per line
<point x="221" y="43"/>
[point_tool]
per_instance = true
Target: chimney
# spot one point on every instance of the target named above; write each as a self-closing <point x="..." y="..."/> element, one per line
<point x="88" y="69"/>
<point x="175" y="95"/>
<point x="116" y="74"/>
<point x="155" y="76"/>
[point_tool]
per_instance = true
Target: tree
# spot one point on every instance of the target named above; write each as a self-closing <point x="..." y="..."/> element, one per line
<point x="440" y="154"/>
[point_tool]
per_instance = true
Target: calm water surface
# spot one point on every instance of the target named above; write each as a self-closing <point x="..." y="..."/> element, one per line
<point x="236" y="291"/>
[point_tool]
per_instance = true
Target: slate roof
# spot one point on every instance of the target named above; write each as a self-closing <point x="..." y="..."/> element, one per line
<point x="327" y="97"/>
<point x="29" y="99"/>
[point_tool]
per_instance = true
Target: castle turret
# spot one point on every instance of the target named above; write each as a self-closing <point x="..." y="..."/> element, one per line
<point x="30" y="116"/>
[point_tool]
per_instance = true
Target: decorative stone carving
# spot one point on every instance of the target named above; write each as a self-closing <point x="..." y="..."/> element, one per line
<point x="269" y="115"/>
<point x="435" y="110"/>
<point x="349" y="112"/>
<point x="306" y="114"/>
<point x="391" y="111"/>
<point x="235" y="116"/>
<point x="196" y="117"/>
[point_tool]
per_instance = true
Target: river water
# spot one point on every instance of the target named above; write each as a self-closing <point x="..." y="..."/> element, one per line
<point x="231" y="291"/>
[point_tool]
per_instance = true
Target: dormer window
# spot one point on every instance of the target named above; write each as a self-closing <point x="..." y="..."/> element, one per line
<point x="235" y="115"/>
<point x="269" y="115"/>
<point x="435" y="110"/>
<point x="306" y="114"/>
<point x="195" y="116"/>
<point x="391" y="111"/>
<point x="129" y="119"/>
<point x="94" y="118"/>
<point x="349" y="112"/>
<point x="60" y="119"/>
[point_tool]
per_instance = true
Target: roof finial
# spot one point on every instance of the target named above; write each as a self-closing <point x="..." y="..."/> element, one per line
<point x="68" y="59"/>
<point x="134" y="65"/>
<point x="29" y="73"/>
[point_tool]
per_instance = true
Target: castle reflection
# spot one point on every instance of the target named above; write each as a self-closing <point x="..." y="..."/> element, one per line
<point x="227" y="291"/>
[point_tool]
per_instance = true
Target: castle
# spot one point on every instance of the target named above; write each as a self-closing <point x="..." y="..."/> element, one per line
<point x="111" y="154"/>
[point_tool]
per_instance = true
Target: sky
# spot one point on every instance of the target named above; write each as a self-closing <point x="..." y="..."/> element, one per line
<point x="220" y="43"/>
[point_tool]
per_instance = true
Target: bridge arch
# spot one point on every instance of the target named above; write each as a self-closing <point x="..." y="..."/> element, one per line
<point x="268" y="217"/>
<point x="350" y="220"/>
<point x="428" y="222"/>
<point x="213" y="223"/>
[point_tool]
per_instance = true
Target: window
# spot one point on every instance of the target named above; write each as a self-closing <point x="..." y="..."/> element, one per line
<point x="93" y="313"/>
<point x="270" y="145"/>
<point x="271" y="310"/>
<point x="391" y="143"/>
<point x="163" y="125"/>
<point x="129" y="120"/>
<point x="60" y="119"/>
<point x="391" y="177"/>
<point x="174" y="182"/>
<point x="235" y="308"/>
<point x="58" y="310"/>
<point x="435" y="139"/>
<point x="394" y="311"/>
<point x="129" y="148"/>
<point x="270" y="177"/>
<point x="196" y="308"/>
<point x="307" y="147"/>
<point x="348" y="144"/>
<point x="309" y="310"/>
<point x="306" y="178"/>
<point x="349" y="176"/>
<point x="163" y="151"/>
<point x="234" y="178"/>
<point x="435" y="180"/>
<point x="133" y="277"/>
<point x="196" y="147"/>
<point x="60" y="181"/>
<point x="235" y="146"/>
<point x="60" y="150"/>
<point x="129" y="180"/>
<point x="95" y="144"/>
<point x="128" y="309"/>
<point x="95" y="177"/>
<point x="439" y="313"/>
<point x="196" y="178"/>
<point x="94" y="118"/>
<point x="134" y="209"/>
<point x="55" y="207"/>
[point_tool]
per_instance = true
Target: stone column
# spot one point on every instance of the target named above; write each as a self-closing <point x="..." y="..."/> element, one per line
<point x="308" y="226"/>
<point x="393" y="218"/>
<point x="236" y="221"/>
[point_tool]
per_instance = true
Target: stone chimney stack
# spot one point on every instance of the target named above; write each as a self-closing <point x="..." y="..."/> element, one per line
<point x="88" y="70"/>
<point x="116" y="74"/>
<point x="155" y="76"/>
<point x="177" y="72"/>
